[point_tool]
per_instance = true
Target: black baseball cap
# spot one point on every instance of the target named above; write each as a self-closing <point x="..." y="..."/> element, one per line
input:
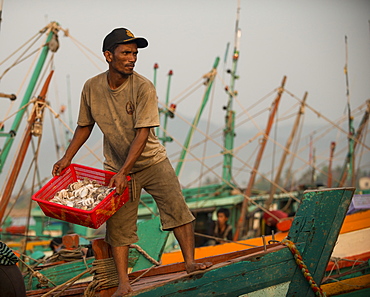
<point x="122" y="35"/>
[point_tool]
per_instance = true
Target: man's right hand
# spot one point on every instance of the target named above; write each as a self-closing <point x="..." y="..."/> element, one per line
<point x="60" y="165"/>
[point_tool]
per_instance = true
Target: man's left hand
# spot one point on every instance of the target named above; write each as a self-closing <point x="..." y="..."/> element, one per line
<point x="120" y="182"/>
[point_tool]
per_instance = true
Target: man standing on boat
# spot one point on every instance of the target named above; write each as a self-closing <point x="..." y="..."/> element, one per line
<point x="124" y="105"/>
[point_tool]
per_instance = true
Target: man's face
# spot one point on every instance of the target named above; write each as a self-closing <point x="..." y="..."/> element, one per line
<point x="222" y="219"/>
<point x="123" y="59"/>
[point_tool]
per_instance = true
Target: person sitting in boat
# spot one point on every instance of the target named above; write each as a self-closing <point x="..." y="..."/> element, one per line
<point x="124" y="105"/>
<point x="221" y="230"/>
<point x="56" y="244"/>
<point x="11" y="279"/>
<point x="271" y="220"/>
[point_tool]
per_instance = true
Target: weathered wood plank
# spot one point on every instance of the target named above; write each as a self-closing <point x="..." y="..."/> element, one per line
<point x="238" y="276"/>
<point x="102" y="251"/>
<point x="153" y="240"/>
<point x="177" y="267"/>
<point x="324" y="212"/>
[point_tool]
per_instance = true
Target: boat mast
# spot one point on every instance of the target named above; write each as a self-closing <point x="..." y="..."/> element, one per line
<point x="33" y="128"/>
<point x="349" y="165"/>
<point x="285" y="153"/>
<point x="53" y="29"/>
<point x="155" y="67"/>
<point x="167" y="112"/>
<point x="248" y="191"/>
<point x="356" y="138"/>
<point x="210" y="80"/>
<point x="229" y="130"/>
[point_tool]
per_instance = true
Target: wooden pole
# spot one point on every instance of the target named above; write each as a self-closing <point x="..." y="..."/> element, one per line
<point x="102" y="251"/>
<point x="285" y="153"/>
<point x="248" y="191"/>
<point x="31" y="86"/>
<point x="10" y="183"/>
<point x="357" y="138"/>
<point x="330" y="173"/>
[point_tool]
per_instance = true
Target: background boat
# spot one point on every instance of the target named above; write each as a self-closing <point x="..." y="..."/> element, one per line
<point x="208" y="191"/>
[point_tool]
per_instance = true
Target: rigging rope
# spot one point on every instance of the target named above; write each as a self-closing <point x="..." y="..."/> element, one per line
<point x="225" y="240"/>
<point x="57" y="115"/>
<point x="231" y="185"/>
<point x="47" y="28"/>
<point x="236" y="157"/>
<point x="42" y="279"/>
<point x="39" y="34"/>
<point x="207" y="131"/>
<point x="329" y="121"/>
<point x="80" y="46"/>
<point x="187" y="92"/>
<point x="34" y="160"/>
<point x="66" y="285"/>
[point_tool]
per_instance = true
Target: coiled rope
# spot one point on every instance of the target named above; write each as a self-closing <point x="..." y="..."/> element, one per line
<point x="105" y="273"/>
<point x="66" y="255"/>
<point x="307" y="275"/>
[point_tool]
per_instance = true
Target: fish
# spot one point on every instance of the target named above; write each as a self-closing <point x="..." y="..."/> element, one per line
<point x="83" y="194"/>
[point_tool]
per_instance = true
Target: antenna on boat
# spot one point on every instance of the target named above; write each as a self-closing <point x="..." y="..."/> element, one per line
<point x="230" y="114"/>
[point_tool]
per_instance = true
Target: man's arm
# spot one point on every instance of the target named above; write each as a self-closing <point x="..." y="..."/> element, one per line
<point x="137" y="147"/>
<point x="80" y="136"/>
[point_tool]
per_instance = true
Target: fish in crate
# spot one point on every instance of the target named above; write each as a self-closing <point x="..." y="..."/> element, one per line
<point x="81" y="195"/>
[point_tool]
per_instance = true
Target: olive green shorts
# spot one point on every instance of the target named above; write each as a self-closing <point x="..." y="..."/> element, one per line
<point x="161" y="182"/>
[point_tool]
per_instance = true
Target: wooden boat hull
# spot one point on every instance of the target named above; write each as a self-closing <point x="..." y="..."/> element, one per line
<point x="314" y="231"/>
<point x="153" y="243"/>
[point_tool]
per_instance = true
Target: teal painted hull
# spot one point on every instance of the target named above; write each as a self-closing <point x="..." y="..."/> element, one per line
<point x="314" y="231"/>
<point x="152" y="240"/>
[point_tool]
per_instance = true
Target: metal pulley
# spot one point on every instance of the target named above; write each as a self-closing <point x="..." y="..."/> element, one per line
<point x="36" y="129"/>
<point x="54" y="43"/>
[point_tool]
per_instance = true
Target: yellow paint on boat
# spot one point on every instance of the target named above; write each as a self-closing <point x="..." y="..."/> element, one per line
<point x="207" y="251"/>
<point x="347" y="286"/>
<point x="30" y="244"/>
<point x="356" y="221"/>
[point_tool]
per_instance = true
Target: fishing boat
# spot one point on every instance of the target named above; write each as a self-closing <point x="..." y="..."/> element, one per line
<point x="294" y="267"/>
<point x="245" y="204"/>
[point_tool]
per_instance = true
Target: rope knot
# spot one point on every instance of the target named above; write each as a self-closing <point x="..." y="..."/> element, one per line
<point x="43" y="281"/>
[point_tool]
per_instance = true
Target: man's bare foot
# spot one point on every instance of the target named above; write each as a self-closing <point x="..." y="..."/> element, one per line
<point x="122" y="290"/>
<point x="197" y="266"/>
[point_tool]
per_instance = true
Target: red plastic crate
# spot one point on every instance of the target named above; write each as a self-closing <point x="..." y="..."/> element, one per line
<point x="90" y="218"/>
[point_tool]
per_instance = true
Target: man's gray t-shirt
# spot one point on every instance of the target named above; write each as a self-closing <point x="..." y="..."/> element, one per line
<point x="118" y="113"/>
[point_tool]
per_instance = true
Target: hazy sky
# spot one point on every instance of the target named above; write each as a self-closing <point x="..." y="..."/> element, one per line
<point x="303" y="40"/>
